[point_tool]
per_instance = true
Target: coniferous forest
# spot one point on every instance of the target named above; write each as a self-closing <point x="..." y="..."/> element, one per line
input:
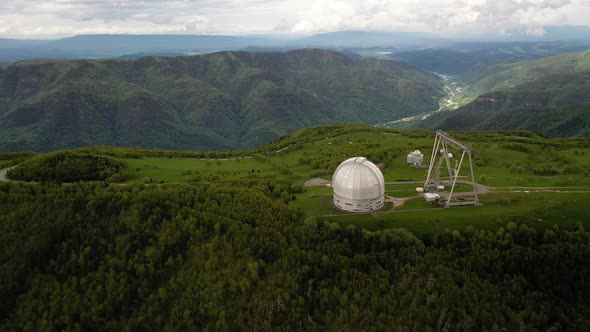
<point x="94" y="257"/>
<point x="336" y="165"/>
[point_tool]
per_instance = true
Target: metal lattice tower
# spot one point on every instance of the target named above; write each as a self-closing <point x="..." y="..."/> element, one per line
<point x="437" y="172"/>
<point x="440" y="154"/>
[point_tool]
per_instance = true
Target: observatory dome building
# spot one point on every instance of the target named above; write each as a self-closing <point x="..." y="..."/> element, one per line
<point x="358" y="186"/>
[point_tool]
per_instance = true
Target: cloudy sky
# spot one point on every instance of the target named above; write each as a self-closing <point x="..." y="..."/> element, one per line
<point x="58" y="18"/>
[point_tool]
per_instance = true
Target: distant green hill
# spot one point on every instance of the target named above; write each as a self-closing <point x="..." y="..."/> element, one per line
<point x="531" y="70"/>
<point x="224" y="100"/>
<point x="554" y="91"/>
<point x="568" y="121"/>
<point x="470" y="62"/>
<point x="554" y="105"/>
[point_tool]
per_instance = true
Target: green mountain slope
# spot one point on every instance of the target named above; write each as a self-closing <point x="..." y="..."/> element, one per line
<point x="555" y="105"/>
<point x="215" y="101"/>
<point x="470" y="62"/>
<point x="532" y="70"/>
<point x="555" y="91"/>
<point x="569" y="121"/>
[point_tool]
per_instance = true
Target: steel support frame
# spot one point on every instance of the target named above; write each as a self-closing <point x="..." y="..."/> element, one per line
<point x="443" y="140"/>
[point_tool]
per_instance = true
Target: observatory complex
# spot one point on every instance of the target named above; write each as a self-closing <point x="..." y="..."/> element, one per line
<point x="358" y="185"/>
<point x="415" y="158"/>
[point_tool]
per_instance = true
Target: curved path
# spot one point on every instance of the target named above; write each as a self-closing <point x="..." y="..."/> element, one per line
<point x="3" y="172"/>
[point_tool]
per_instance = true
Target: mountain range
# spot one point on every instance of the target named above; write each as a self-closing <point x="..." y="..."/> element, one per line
<point x="159" y="97"/>
<point x="113" y="46"/>
<point x="224" y="100"/>
<point x="547" y="95"/>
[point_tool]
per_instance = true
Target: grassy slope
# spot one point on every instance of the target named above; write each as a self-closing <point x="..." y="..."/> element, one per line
<point x="501" y="160"/>
<point x="214" y="101"/>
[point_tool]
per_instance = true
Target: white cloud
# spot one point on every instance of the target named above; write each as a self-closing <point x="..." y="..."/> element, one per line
<point x="44" y="18"/>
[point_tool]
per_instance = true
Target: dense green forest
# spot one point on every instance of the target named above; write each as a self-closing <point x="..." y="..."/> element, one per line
<point x="218" y="101"/>
<point x="68" y="166"/>
<point x="528" y="71"/>
<point x="548" y="96"/>
<point x="193" y="257"/>
<point x="549" y="122"/>
<point x="231" y="240"/>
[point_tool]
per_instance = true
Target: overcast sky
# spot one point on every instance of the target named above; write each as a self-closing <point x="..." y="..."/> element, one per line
<point x="58" y="18"/>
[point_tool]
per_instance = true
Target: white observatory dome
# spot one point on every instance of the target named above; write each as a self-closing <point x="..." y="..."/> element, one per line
<point x="358" y="186"/>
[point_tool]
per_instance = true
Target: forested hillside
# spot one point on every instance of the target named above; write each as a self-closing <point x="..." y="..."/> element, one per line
<point x="548" y="96"/>
<point x="194" y="257"/>
<point x="553" y="106"/>
<point x="532" y="70"/>
<point x="568" y="121"/>
<point x="470" y="62"/>
<point x="224" y="100"/>
<point x="554" y="91"/>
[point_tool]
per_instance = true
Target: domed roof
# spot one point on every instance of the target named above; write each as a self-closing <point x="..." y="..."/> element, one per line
<point x="358" y="178"/>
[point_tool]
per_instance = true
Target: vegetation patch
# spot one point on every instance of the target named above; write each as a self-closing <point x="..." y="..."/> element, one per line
<point x="68" y="166"/>
<point x="212" y="257"/>
<point x="12" y="158"/>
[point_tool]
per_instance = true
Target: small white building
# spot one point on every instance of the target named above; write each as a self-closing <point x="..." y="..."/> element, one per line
<point x="358" y="185"/>
<point x="431" y="198"/>
<point x="415" y="158"/>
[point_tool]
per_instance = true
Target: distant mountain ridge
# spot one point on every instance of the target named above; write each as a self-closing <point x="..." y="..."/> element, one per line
<point x="113" y="46"/>
<point x="117" y="45"/>
<point x="471" y="62"/>
<point x="226" y="100"/>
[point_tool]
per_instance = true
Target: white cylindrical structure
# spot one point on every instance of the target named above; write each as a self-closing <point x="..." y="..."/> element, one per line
<point x="358" y="185"/>
<point x="415" y="158"/>
<point x="419" y="190"/>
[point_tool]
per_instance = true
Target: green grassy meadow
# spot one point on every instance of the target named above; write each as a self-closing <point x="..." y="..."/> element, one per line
<point x="506" y="161"/>
<point x="538" y="210"/>
<point x="183" y="170"/>
<point x="510" y="163"/>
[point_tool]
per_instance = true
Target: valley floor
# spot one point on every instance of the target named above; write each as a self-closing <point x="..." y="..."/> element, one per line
<point x="454" y="90"/>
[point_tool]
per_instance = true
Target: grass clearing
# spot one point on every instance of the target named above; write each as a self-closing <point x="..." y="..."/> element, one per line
<point x="501" y="160"/>
<point x="538" y="210"/>
<point x="182" y="170"/>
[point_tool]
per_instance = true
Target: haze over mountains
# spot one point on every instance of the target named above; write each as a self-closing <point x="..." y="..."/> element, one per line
<point x="111" y="46"/>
